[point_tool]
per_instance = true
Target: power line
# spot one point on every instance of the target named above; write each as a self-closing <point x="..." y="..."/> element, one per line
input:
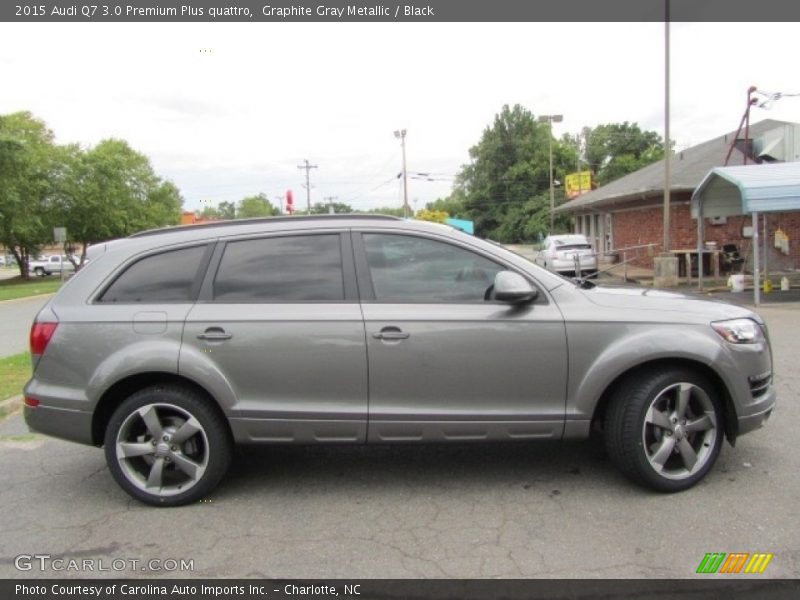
<point x="308" y="168"/>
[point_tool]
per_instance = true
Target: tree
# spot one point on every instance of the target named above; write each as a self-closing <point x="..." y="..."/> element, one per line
<point x="210" y="212"/>
<point x="509" y="173"/>
<point x="27" y="156"/>
<point x="111" y="191"/>
<point x="255" y="206"/>
<point x="616" y="149"/>
<point x="453" y="205"/>
<point x="339" y="208"/>
<point x="393" y="212"/>
<point x="227" y="210"/>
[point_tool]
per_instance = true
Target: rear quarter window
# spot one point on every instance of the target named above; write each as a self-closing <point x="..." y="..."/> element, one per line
<point x="164" y="277"/>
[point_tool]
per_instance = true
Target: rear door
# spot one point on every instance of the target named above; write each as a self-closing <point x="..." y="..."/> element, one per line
<point x="279" y="321"/>
<point x="445" y="363"/>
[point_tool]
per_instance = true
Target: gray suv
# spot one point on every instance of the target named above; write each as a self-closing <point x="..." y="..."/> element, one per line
<point x="174" y="345"/>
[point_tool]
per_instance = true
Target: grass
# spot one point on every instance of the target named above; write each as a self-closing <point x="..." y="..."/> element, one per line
<point x="14" y="372"/>
<point x="16" y="287"/>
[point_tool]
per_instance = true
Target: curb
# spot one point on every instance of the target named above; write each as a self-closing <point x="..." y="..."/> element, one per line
<point x="27" y="298"/>
<point x="11" y="405"/>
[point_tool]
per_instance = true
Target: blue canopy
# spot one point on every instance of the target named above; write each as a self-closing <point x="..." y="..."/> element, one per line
<point x="744" y="189"/>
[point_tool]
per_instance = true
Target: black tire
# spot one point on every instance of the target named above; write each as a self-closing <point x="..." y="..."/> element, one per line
<point x="657" y="448"/>
<point x="141" y="453"/>
<point x="39" y="271"/>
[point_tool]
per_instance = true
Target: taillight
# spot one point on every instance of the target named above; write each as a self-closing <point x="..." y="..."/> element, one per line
<point x="31" y="402"/>
<point x="41" y="333"/>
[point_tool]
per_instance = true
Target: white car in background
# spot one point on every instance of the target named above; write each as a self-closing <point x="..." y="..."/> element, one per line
<point x="568" y="253"/>
<point x="47" y="265"/>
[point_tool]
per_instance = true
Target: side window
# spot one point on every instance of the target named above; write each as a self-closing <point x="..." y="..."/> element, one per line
<point x="165" y="277"/>
<point x="301" y="268"/>
<point x="411" y="269"/>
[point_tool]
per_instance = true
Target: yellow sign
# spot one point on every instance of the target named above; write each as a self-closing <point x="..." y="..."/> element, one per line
<point x="578" y="183"/>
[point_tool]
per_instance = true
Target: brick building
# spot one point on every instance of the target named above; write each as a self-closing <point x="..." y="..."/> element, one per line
<point x="629" y="211"/>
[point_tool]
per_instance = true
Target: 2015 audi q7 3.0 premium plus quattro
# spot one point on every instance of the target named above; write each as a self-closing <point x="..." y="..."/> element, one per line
<point x="173" y="345"/>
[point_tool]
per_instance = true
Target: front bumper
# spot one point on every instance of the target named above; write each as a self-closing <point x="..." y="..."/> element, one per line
<point x="757" y="413"/>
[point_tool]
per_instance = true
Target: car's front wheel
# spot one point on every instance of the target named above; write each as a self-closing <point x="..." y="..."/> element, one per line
<point x="167" y="446"/>
<point x="664" y="428"/>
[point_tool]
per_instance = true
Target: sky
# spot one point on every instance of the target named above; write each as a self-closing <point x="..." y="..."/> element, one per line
<point x="227" y="110"/>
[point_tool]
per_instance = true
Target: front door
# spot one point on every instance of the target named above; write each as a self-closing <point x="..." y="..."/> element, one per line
<point x="445" y="361"/>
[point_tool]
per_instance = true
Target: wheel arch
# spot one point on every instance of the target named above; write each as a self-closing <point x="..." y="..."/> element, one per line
<point x="122" y="389"/>
<point x="728" y="408"/>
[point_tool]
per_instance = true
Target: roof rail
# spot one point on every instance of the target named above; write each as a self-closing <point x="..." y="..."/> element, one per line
<point x="232" y="222"/>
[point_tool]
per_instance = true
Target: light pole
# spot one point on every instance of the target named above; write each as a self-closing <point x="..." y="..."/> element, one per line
<point x="401" y="135"/>
<point x="550" y="119"/>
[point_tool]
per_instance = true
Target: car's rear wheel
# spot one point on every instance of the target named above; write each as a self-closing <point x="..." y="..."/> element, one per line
<point x="39" y="271"/>
<point x="664" y="428"/>
<point x="167" y="446"/>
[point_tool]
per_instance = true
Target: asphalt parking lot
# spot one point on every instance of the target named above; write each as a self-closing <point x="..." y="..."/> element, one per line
<point x="526" y="510"/>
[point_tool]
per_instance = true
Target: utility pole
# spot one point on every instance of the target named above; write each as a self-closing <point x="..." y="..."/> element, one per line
<point x="665" y="265"/>
<point x="549" y="120"/>
<point x="308" y="168"/>
<point x="667" y="158"/>
<point x="401" y="135"/>
<point x="330" y="200"/>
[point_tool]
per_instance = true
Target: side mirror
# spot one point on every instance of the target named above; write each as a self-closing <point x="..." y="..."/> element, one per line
<point x="513" y="288"/>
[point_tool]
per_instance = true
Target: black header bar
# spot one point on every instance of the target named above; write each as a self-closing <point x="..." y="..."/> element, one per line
<point x="699" y="588"/>
<point x="278" y="11"/>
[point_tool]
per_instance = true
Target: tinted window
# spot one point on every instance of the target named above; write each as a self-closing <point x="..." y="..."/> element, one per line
<point x="165" y="277"/>
<point x="305" y="268"/>
<point x="412" y="269"/>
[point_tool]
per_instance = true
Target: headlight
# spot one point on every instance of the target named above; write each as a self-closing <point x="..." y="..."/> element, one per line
<point x="739" y="331"/>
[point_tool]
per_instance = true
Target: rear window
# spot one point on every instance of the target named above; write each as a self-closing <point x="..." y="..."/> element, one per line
<point x="165" y="277"/>
<point x="573" y="246"/>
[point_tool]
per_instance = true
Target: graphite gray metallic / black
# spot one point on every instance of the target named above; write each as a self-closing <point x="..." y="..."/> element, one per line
<point x="172" y="346"/>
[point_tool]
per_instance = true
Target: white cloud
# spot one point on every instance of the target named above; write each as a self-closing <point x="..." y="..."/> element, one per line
<point x="240" y="116"/>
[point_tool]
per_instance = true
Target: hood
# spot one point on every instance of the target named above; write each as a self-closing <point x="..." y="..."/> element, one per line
<point x="659" y="300"/>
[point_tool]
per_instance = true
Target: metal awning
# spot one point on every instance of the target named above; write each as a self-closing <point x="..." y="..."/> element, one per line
<point x="746" y="189"/>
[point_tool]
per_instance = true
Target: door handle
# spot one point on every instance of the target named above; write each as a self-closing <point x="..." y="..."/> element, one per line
<point x="391" y="333"/>
<point x="214" y="334"/>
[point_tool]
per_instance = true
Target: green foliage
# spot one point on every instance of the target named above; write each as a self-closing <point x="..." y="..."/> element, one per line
<point x="393" y="212"/>
<point x="616" y="149"/>
<point x="255" y="206"/>
<point x="15" y="370"/>
<point x="27" y="167"/>
<point x="209" y="212"/>
<point x="100" y="193"/>
<point x="226" y="210"/>
<point x="503" y="188"/>
<point x="323" y="208"/>
<point x="453" y="205"/>
<point x="19" y="287"/>
<point x="110" y="191"/>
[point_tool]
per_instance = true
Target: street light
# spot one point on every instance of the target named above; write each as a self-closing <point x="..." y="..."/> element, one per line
<point x="401" y="135"/>
<point x="550" y="119"/>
